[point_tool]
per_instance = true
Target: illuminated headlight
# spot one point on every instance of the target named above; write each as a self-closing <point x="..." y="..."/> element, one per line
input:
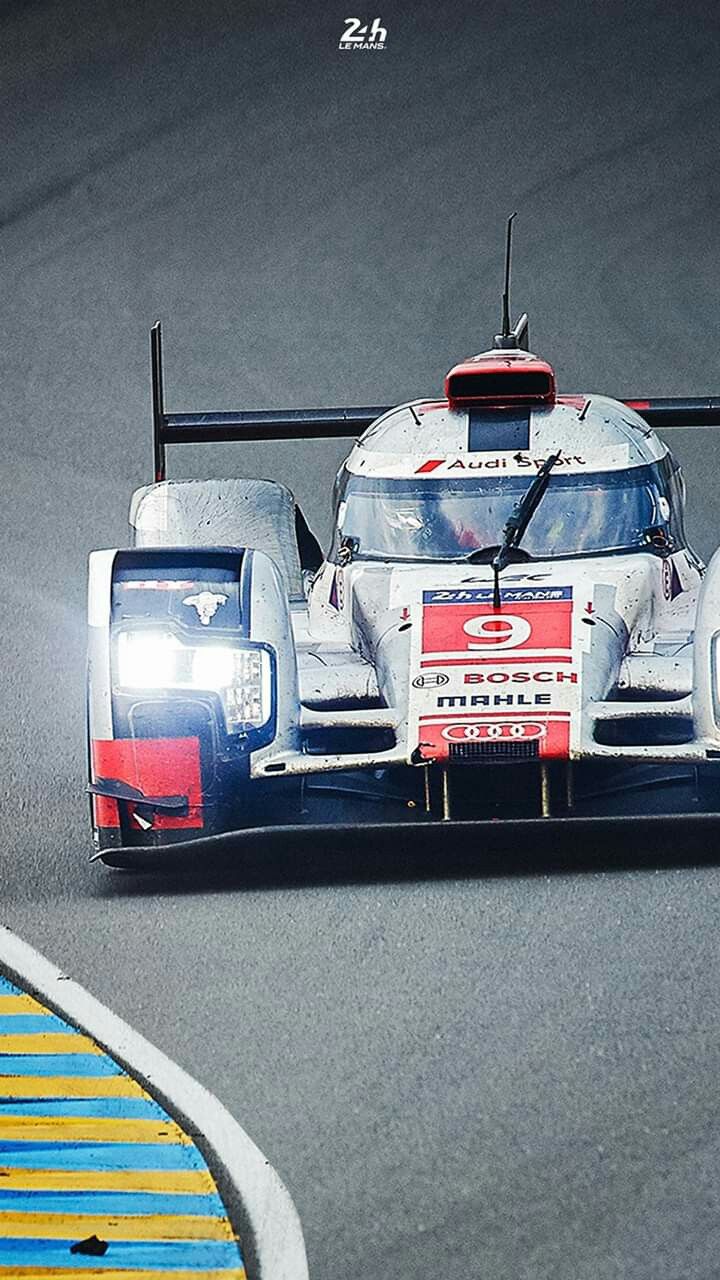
<point x="147" y="659"/>
<point x="214" y="666"/>
<point x="247" y="698"/>
<point x="241" y="676"/>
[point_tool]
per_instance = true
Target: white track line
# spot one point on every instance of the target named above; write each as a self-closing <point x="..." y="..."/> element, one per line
<point x="276" y="1248"/>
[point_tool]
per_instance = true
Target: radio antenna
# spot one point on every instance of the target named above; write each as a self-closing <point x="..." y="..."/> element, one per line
<point x="516" y="339"/>
<point x="506" y="291"/>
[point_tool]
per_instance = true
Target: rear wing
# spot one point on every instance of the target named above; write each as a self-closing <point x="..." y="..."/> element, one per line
<point x="324" y="424"/>
<point x="251" y="424"/>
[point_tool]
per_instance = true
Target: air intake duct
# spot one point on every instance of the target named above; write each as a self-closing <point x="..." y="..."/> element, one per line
<point x="510" y="379"/>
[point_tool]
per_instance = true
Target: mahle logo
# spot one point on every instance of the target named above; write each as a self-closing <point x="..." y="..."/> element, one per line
<point x="359" y="36"/>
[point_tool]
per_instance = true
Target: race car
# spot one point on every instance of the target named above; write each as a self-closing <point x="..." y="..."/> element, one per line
<point x="509" y="622"/>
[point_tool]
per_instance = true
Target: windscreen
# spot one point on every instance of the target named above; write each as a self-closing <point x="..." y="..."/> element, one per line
<point x="441" y="519"/>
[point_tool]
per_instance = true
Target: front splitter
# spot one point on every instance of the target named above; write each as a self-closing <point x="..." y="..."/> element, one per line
<point x="570" y="840"/>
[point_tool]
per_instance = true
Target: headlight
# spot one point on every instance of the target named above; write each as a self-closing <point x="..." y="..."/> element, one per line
<point x="147" y="659"/>
<point x="247" y="699"/>
<point x="240" y="675"/>
<point x="213" y="666"/>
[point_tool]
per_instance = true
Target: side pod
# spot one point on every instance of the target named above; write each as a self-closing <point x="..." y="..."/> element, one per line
<point x="706" y="658"/>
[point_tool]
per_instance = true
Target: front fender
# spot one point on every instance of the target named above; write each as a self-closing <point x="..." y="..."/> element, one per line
<point x="159" y="732"/>
<point x="706" y="657"/>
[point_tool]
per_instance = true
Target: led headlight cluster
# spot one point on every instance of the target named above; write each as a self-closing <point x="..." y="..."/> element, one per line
<point x="150" y="659"/>
<point x="247" y="699"/>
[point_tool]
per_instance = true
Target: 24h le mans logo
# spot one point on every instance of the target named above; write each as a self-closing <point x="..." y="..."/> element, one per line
<point x="359" y="36"/>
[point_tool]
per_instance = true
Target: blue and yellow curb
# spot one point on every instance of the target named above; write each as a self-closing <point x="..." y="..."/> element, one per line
<point x="96" y="1178"/>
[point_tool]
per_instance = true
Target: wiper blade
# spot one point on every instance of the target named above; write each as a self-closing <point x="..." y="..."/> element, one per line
<point x="514" y="530"/>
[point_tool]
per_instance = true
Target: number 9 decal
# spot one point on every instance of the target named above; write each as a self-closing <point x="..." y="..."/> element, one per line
<point x="493" y="631"/>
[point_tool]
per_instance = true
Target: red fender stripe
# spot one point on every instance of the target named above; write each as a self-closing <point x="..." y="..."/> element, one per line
<point x="156" y="766"/>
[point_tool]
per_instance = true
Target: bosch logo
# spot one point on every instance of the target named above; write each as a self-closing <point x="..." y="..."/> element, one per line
<point x="493" y="732"/>
<point x="431" y="680"/>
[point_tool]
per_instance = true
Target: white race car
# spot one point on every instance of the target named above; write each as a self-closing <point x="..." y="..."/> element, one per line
<point x="509" y="620"/>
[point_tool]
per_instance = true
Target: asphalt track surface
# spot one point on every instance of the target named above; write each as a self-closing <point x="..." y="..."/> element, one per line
<point x="457" y="1073"/>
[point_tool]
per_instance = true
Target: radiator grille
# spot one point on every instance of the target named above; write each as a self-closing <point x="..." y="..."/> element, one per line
<point x="467" y="752"/>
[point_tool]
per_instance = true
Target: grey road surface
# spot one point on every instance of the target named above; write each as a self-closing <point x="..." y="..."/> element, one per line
<point x="458" y="1074"/>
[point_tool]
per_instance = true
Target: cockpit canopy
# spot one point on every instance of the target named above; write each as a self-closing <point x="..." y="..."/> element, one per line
<point x="445" y="519"/>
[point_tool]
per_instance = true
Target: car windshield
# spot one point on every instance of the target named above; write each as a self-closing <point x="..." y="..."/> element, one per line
<point x="433" y="519"/>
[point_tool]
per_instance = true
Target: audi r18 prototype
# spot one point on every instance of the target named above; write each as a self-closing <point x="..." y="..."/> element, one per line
<point x="508" y="620"/>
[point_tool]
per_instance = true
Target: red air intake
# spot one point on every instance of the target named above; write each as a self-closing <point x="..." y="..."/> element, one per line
<point x="501" y="380"/>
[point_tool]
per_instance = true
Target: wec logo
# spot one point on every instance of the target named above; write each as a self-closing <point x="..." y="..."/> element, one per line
<point x="357" y="36"/>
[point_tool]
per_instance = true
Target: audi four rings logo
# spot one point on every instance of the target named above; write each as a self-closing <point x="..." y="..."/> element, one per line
<point x="430" y="680"/>
<point x="500" y="729"/>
